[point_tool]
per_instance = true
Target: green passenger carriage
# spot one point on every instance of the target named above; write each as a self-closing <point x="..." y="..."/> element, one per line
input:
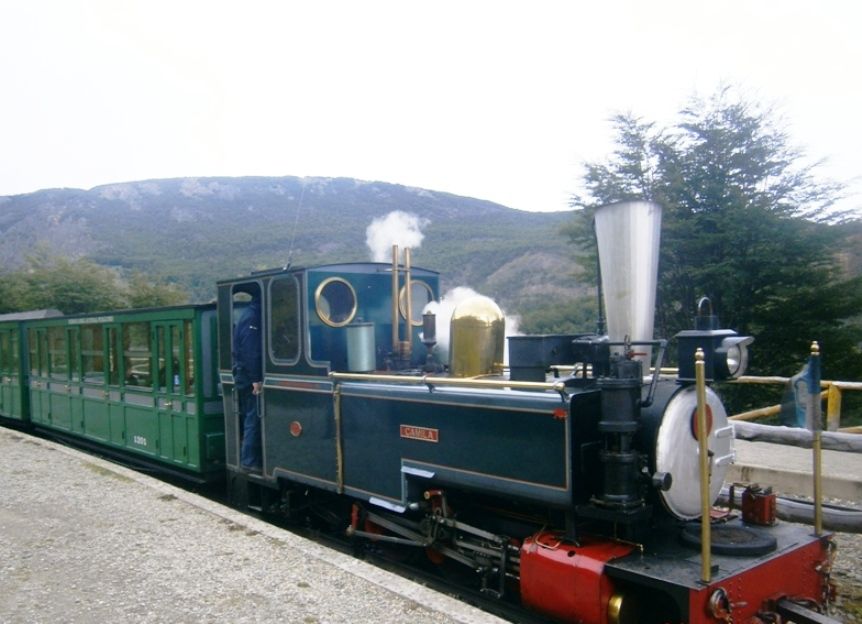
<point x="139" y="382"/>
<point x="14" y="368"/>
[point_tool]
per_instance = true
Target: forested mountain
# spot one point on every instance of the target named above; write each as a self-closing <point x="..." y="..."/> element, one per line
<point x="193" y="231"/>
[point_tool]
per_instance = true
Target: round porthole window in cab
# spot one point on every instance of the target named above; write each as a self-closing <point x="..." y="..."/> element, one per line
<point x="335" y="301"/>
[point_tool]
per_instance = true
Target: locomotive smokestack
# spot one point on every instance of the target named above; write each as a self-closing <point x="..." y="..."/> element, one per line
<point x="628" y="236"/>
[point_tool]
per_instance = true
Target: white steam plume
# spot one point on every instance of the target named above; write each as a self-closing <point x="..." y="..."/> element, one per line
<point x="396" y="228"/>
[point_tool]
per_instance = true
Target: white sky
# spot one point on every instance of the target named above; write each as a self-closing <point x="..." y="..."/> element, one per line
<point x="497" y="100"/>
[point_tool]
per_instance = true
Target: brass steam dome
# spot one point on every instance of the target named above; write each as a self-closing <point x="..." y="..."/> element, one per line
<point x="477" y="337"/>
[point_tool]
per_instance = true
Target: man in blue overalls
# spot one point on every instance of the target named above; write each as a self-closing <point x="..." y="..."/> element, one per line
<point x="248" y="381"/>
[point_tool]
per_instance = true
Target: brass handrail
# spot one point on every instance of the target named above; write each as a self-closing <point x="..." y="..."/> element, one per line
<point x="464" y="382"/>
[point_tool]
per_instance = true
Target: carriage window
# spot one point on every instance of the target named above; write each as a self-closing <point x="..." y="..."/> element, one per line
<point x="175" y="382"/>
<point x="5" y="359"/>
<point x="284" y="319"/>
<point x="113" y="357"/>
<point x="57" y="360"/>
<point x="188" y="358"/>
<point x="92" y="355"/>
<point x="420" y="296"/>
<point x="161" y="360"/>
<point x="136" y="355"/>
<point x="335" y="301"/>
<point x="32" y="340"/>
<point x="74" y="350"/>
<point x="15" y="355"/>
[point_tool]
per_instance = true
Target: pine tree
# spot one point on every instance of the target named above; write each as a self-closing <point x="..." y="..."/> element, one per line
<point x="745" y="222"/>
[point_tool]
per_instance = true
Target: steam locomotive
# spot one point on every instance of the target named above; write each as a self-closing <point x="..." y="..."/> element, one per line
<point x="572" y="480"/>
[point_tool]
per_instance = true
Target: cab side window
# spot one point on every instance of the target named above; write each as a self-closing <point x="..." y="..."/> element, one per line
<point x="284" y="320"/>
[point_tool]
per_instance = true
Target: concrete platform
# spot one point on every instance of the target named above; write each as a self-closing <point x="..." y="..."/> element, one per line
<point x="789" y="469"/>
<point x="84" y="540"/>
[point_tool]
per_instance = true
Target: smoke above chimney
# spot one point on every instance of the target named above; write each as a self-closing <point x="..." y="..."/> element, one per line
<point x="396" y="228"/>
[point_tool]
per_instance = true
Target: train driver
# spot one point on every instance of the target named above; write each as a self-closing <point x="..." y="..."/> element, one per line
<point x="248" y="380"/>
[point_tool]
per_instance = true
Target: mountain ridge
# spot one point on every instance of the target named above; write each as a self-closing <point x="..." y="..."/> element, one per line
<point x="196" y="230"/>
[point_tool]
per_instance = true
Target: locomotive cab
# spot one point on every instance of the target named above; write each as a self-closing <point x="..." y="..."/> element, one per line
<point x="315" y="321"/>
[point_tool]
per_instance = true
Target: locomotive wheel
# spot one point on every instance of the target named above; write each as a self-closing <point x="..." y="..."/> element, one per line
<point x="391" y="552"/>
<point x="435" y="556"/>
<point x="440" y="507"/>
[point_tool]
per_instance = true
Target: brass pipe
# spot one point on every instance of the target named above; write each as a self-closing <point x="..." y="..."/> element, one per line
<point x="396" y="339"/>
<point x="339" y="447"/>
<point x="409" y="304"/>
<point x="461" y="382"/>
<point x="703" y="449"/>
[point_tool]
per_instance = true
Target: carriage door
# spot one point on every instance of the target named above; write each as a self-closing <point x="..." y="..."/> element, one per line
<point x="171" y="398"/>
<point x="40" y="406"/>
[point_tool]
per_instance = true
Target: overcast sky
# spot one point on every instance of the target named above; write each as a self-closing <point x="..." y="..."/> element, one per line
<point x="496" y="100"/>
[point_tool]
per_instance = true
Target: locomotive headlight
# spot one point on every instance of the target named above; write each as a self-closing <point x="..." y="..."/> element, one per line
<point x="725" y="353"/>
<point x="736" y="360"/>
<point x="735" y="353"/>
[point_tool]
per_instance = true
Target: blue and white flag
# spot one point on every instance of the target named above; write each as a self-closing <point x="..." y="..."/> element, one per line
<point x="794" y="403"/>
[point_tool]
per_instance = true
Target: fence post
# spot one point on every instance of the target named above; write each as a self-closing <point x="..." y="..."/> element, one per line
<point x="833" y="408"/>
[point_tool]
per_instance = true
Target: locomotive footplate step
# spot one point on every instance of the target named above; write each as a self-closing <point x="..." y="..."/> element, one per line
<point x="730" y="540"/>
<point x="670" y="568"/>
<point x="670" y="561"/>
<point x="83" y="540"/>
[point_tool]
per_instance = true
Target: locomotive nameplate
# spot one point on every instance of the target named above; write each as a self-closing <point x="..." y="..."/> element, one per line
<point x="426" y="434"/>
